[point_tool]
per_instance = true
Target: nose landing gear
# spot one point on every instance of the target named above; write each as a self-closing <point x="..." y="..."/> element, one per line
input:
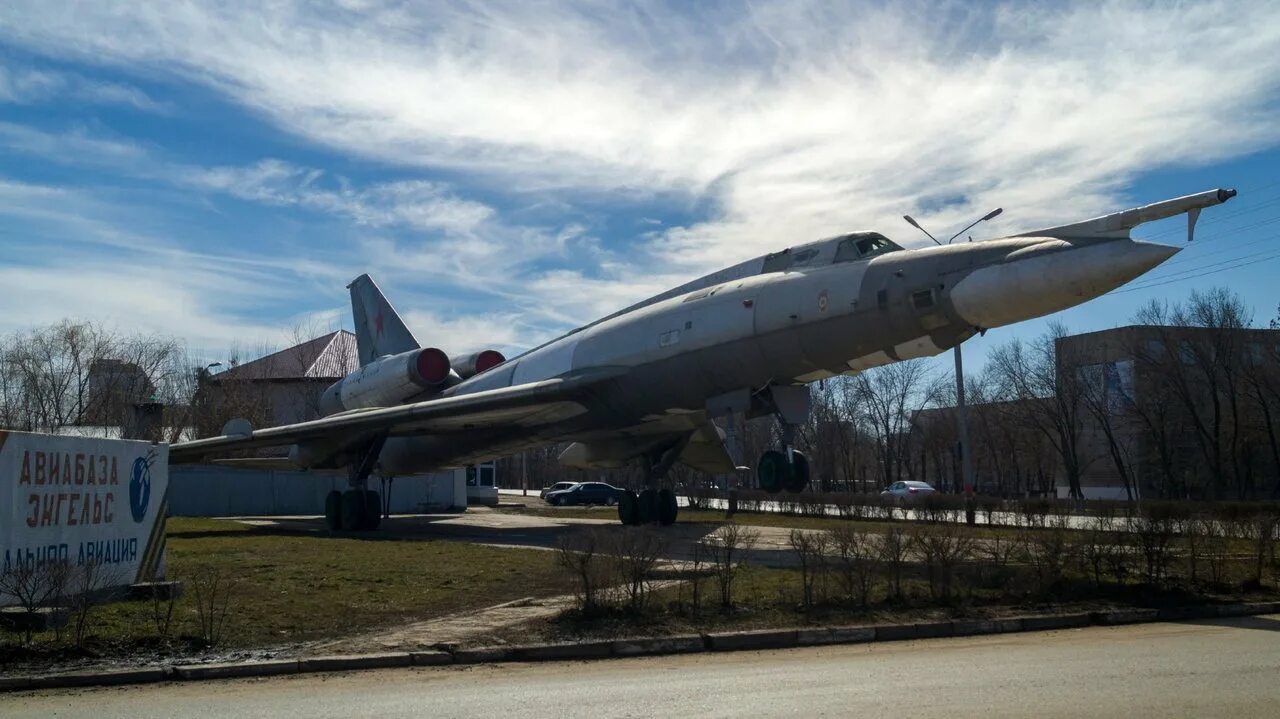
<point x="786" y="469"/>
<point x="775" y="474"/>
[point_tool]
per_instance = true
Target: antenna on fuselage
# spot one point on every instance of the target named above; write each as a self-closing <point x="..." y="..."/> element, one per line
<point x="984" y="218"/>
<point x="916" y="225"/>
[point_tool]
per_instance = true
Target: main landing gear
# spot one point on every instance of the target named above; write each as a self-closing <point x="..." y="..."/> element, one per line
<point x="785" y="469"/>
<point x="653" y="505"/>
<point x="359" y="509"/>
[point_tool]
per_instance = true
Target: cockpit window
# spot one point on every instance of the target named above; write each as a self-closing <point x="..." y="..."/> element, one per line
<point x="804" y="257"/>
<point x="862" y="246"/>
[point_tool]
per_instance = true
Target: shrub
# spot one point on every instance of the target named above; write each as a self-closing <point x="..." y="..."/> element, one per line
<point x="1153" y="532"/>
<point x="1046" y="550"/>
<point x="634" y="552"/>
<point x="894" y="550"/>
<point x="726" y="548"/>
<point x="990" y="509"/>
<point x="854" y="553"/>
<point x="84" y="591"/>
<point x="810" y="548"/>
<point x="214" y="592"/>
<point x="581" y="554"/>
<point x="34" y="585"/>
<point x="1096" y="547"/>
<point x="943" y="547"/>
<point x="697" y="576"/>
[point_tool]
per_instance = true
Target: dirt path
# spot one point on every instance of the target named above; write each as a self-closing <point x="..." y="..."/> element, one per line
<point x="476" y="627"/>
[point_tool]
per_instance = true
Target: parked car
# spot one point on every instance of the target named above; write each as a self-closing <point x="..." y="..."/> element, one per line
<point x="907" y="491"/>
<point x="557" y="487"/>
<point x="585" y="493"/>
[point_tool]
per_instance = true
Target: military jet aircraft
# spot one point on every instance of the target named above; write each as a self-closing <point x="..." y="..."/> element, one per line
<point x="647" y="383"/>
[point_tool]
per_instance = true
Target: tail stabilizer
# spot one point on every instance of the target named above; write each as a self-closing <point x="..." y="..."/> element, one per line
<point x="379" y="329"/>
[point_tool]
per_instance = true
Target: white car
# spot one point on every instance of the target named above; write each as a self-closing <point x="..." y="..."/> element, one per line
<point x="558" y="486"/>
<point x="907" y="491"/>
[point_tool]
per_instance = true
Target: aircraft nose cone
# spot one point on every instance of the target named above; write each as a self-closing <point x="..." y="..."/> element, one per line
<point x="1049" y="276"/>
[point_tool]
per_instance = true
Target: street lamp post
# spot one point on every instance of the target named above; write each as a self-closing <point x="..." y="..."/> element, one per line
<point x="962" y="413"/>
<point x="962" y="418"/>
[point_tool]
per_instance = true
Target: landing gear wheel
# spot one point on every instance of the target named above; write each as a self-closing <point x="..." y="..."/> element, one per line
<point x="772" y="471"/>
<point x="629" y="508"/>
<point x="353" y="510"/>
<point x="647" y="505"/>
<point x="333" y="511"/>
<point x="667" y="508"/>
<point x="372" y="510"/>
<point x="798" y="477"/>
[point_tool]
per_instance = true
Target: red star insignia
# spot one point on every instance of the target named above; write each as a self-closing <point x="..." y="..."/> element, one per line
<point x="377" y="322"/>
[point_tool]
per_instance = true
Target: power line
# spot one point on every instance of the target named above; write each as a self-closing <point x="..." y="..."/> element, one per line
<point x="1192" y="270"/>
<point x="1192" y="277"/>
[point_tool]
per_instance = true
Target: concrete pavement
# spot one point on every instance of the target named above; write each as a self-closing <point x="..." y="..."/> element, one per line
<point x="1224" y="668"/>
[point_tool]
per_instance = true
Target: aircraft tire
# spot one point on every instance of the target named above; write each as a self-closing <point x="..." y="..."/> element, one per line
<point x="333" y="511"/>
<point x="648" y="507"/>
<point x="667" y="507"/>
<point x="372" y="509"/>
<point x="628" y="508"/>
<point x="353" y="510"/>
<point x="798" y="476"/>
<point x="772" y="471"/>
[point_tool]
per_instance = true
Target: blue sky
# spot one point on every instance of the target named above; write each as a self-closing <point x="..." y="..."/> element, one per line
<point x="509" y="170"/>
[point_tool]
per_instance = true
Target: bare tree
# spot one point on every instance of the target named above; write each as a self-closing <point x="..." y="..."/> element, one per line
<point x="1196" y="357"/>
<point x="888" y="398"/>
<point x="1047" y="399"/>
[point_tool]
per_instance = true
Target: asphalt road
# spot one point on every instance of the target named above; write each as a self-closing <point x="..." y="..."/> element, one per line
<point x="1227" y="668"/>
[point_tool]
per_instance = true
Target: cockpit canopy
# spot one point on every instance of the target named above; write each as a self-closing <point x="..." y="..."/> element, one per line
<point x="853" y="247"/>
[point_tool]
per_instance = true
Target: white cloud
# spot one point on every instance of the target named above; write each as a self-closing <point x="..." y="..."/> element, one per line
<point x="460" y="334"/>
<point x="21" y="85"/>
<point x="789" y="120"/>
<point x="413" y="203"/>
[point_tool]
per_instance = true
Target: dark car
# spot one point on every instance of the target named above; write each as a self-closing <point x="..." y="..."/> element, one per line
<point x="586" y="493"/>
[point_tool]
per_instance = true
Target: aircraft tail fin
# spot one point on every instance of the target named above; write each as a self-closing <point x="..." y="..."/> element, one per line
<point x="379" y="330"/>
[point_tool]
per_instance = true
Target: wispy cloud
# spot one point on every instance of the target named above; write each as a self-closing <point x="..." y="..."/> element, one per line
<point x="21" y="85"/>
<point x="413" y="203"/>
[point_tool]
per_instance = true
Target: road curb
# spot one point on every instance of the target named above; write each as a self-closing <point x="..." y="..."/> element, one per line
<point x="758" y="639"/>
<point x="682" y="644"/>
<point x="648" y="646"/>
<point x="356" y="662"/>
<point x="232" y="670"/>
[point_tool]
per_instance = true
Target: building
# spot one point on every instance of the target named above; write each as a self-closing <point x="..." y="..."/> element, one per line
<point x="1147" y="410"/>
<point x="283" y="388"/>
<point x="1177" y="412"/>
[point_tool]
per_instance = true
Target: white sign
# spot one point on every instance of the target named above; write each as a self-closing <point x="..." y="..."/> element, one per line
<point x="80" y="500"/>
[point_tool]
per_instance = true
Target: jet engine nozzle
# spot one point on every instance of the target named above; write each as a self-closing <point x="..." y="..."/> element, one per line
<point x="1050" y="276"/>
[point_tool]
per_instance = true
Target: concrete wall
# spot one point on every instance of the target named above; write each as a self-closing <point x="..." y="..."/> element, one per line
<point x="214" y="491"/>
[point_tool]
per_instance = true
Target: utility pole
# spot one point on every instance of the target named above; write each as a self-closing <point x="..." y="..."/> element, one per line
<point x="962" y="418"/>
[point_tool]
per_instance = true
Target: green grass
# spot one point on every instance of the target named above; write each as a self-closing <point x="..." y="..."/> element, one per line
<point x="291" y="587"/>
